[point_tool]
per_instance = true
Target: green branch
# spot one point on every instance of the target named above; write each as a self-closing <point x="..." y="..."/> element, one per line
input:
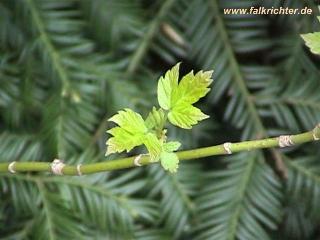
<point x="123" y="163"/>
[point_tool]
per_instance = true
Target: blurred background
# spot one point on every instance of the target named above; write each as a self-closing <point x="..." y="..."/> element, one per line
<point x="66" y="66"/>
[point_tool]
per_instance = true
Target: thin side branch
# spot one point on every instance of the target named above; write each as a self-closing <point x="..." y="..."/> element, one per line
<point x="222" y="149"/>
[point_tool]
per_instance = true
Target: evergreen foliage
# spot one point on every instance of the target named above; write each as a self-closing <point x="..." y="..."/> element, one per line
<point x="68" y="66"/>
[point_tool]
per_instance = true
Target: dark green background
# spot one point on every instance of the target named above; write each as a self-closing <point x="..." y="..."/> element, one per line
<point x="68" y="65"/>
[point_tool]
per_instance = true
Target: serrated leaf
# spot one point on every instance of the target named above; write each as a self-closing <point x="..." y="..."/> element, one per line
<point x="169" y="161"/>
<point x="312" y="41"/>
<point x="178" y="98"/>
<point x="156" y="119"/>
<point x="166" y="85"/>
<point x="129" y="121"/>
<point x="130" y="133"/>
<point x="171" y="146"/>
<point x="153" y="145"/>
<point x="191" y="88"/>
<point x="186" y="115"/>
<point x="123" y="140"/>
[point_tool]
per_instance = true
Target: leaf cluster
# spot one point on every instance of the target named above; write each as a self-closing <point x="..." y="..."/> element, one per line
<point x="175" y="100"/>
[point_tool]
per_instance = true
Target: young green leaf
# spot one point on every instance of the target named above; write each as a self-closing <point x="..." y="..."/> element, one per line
<point x="153" y="145"/>
<point x="130" y="121"/>
<point x="156" y="119"/>
<point x="171" y="146"/>
<point x="129" y="134"/>
<point x="178" y="98"/>
<point x="192" y="87"/>
<point x="169" y="161"/>
<point x="312" y="41"/>
<point x="185" y="115"/>
<point x="132" y="132"/>
<point x="123" y="140"/>
<point x="166" y="85"/>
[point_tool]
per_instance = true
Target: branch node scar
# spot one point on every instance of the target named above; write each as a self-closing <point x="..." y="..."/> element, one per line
<point x="314" y="133"/>
<point x="79" y="169"/>
<point x="136" y="161"/>
<point x="11" y="167"/>
<point x="57" y="166"/>
<point x="285" y="141"/>
<point x="227" y="147"/>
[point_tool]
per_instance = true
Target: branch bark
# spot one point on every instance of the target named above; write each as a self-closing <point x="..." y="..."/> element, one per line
<point x="222" y="149"/>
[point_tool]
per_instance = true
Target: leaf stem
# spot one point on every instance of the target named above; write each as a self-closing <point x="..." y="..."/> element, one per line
<point x="182" y="155"/>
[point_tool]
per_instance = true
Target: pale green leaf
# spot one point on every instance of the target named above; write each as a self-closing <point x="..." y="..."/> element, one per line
<point x="312" y="41"/>
<point x="178" y="98"/>
<point x="191" y="88"/>
<point x="169" y="161"/>
<point x="156" y="119"/>
<point x="123" y="140"/>
<point x="171" y="146"/>
<point x="166" y="86"/>
<point x="186" y="115"/>
<point x="130" y="121"/>
<point x="130" y="133"/>
<point x="153" y="145"/>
